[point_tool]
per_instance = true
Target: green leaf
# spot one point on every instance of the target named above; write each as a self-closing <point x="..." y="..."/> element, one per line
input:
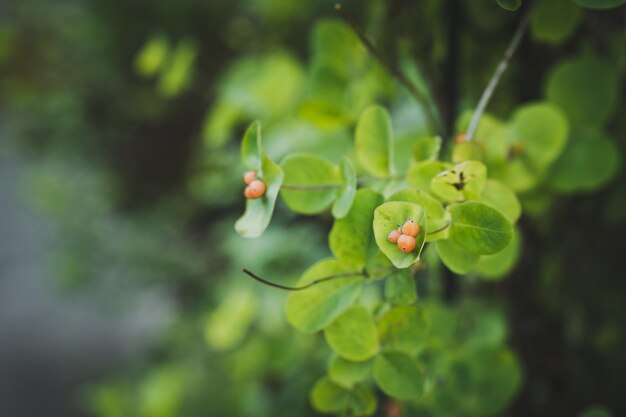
<point x="516" y="174"/>
<point x="420" y="174"/>
<point x="329" y="397"/>
<point x="178" y="71"/>
<point x="478" y="228"/>
<point x="589" y="161"/>
<point x="500" y="197"/>
<point x="426" y="148"/>
<point x="336" y="47"/>
<point x="347" y="373"/>
<point x="259" y="211"/>
<point x="599" y="4"/>
<point x="392" y="215"/>
<point x="403" y="329"/>
<point x="500" y="264"/>
<point x="464" y="181"/>
<point x="152" y="56"/>
<point x="435" y="213"/>
<point x="457" y="259"/>
<point x="308" y="170"/>
<point x="400" y="288"/>
<point x="353" y="335"/>
<point x="373" y="142"/>
<point x="541" y="130"/>
<point x="467" y="151"/>
<point x="351" y="238"/>
<point x="398" y="375"/>
<point x="346" y="193"/>
<point x="491" y="135"/>
<point x="586" y="88"/>
<point x="314" y="308"/>
<point x="554" y="21"/>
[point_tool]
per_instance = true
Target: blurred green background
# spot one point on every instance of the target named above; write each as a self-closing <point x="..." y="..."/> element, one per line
<point x="121" y="292"/>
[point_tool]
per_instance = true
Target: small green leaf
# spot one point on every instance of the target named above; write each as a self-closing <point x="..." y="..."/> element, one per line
<point x="500" y="197"/>
<point x="541" y="130"/>
<point x="457" y="259"/>
<point x="373" y="142"/>
<point x="400" y="288"/>
<point x="392" y="215"/>
<point x="403" y="329"/>
<point x="329" y="397"/>
<point x="491" y="135"/>
<point x="500" y="264"/>
<point x="259" y="211"/>
<point x="434" y="210"/>
<point x="554" y="21"/>
<point x="347" y="373"/>
<point x="308" y="170"/>
<point x="346" y="193"/>
<point x="314" y="308"/>
<point x="516" y="174"/>
<point x="351" y="238"/>
<point x="420" y="174"/>
<point x="353" y="335"/>
<point x="589" y="161"/>
<point x="599" y="4"/>
<point x="586" y="88"/>
<point x="464" y="181"/>
<point x="398" y="375"/>
<point x="152" y="56"/>
<point x="426" y="148"/>
<point x="478" y="228"/>
<point x="467" y="151"/>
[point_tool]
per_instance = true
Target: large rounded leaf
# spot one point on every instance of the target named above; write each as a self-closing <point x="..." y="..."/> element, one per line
<point x="345" y="195"/>
<point x="373" y="141"/>
<point x="329" y="397"/>
<point x="398" y="375"/>
<point x="259" y="211"/>
<point x="400" y="288"/>
<point x="353" y="335"/>
<point x="500" y="264"/>
<point x="347" y="373"/>
<point x="586" y="88"/>
<point x="541" y="130"/>
<point x="589" y="161"/>
<point x="500" y="197"/>
<point x="351" y="238"/>
<point x="314" y="308"/>
<point x="308" y="170"/>
<point x="478" y="228"/>
<point x="554" y="20"/>
<point x="392" y="215"/>
<point x="404" y="329"/>
<point x="457" y="259"/>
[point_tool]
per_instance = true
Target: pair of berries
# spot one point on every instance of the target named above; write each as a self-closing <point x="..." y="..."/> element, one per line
<point x="255" y="188"/>
<point x="404" y="236"/>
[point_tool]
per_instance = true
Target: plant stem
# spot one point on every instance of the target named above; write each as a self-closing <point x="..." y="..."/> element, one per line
<point x="420" y="97"/>
<point x="363" y="273"/>
<point x="497" y="75"/>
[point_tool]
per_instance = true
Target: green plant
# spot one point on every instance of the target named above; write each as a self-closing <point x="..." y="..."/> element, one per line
<point x="464" y="202"/>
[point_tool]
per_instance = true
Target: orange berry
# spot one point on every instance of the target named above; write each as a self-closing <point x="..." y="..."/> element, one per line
<point x="249" y="176"/>
<point x="256" y="189"/>
<point x="410" y="228"/>
<point x="461" y="137"/>
<point x="393" y="236"/>
<point x="406" y="243"/>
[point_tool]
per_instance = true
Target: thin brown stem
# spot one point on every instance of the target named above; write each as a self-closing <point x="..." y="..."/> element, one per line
<point x="441" y="229"/>
<point x="497" y="74"/>
<point x="362" y="273"/>
<point x="418" y="95"/>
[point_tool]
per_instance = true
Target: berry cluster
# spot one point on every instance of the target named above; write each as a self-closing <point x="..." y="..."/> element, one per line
<point x="404" y="236"/>
<point x="255" y="188"/>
